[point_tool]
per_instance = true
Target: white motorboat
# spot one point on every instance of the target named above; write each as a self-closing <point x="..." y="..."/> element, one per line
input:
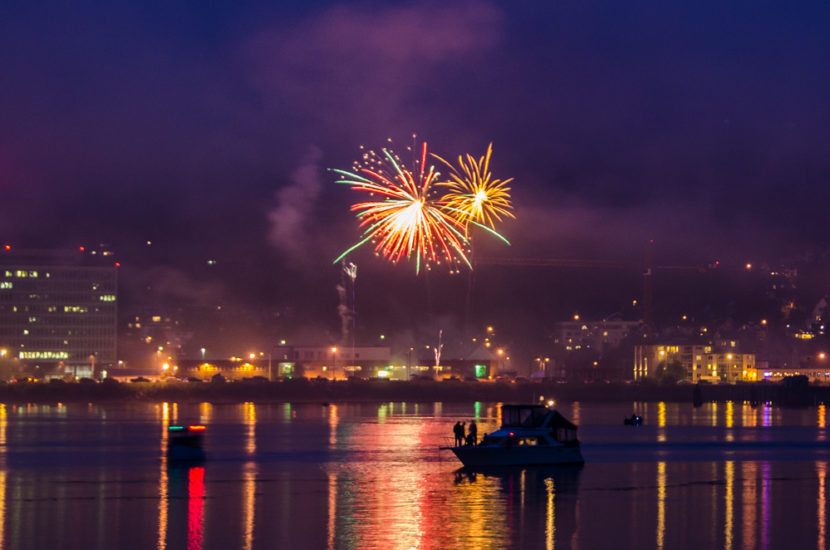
<point x="530" y="435"/>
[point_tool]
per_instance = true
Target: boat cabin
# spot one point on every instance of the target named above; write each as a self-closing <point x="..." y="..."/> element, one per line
<point x="528" y="424"/>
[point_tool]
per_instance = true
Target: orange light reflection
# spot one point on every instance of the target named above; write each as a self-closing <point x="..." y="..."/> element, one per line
<point x="163" y="479"/>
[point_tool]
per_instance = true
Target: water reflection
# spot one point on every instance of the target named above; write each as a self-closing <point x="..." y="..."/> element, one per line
<point x="765" y="504"/>
<point x="164" y="411"/>
<point x="526" y="495"/>
<point x="728" y="524"/>
<point x="249" y="476"/>
<point x="821" y="503"/>
<point x="185" y="508"/>
<point x="3" y="472"/>
<point x="661" y="503"/>
<point x="335" y="477"/>
<point x="749" y="497"/>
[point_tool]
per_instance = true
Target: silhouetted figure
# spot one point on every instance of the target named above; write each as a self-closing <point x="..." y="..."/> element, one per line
<point x="472" y="439"/>
<point x="458" y="431"/>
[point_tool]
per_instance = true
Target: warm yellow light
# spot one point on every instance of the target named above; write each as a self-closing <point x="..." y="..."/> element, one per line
<point x="763" y="321"/>
<point x="748" y="266"/>
<point x="334" y="350"/>
<point x="576" y="317"/>
<point x="500" y="351"/>
<point x="251" y="355"/>
<point x="729" y="356"/>
<point x="822" y="355"/>
<point x="489" y="329"/>
<point x="3" y="352"/>
<point x="165" y="366"/>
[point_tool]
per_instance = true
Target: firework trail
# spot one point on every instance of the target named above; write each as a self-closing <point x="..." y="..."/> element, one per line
<point x="473" y="194"/>
<point x="410" y="221"/>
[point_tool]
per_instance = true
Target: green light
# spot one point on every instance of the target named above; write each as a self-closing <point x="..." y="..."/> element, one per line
<point x="481" y="371"/>
<point x="176" y="428"/>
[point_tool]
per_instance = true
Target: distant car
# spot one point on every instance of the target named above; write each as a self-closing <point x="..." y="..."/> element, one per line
<point x="86" y="381"/>
<point x="256" y="379"/>
<point x="57" y="381"/>
<point x="139" y="379"/>
<point x="194" y="379"/>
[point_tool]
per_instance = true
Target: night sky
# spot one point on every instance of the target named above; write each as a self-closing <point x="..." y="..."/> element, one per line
<point x="207" y="128"/>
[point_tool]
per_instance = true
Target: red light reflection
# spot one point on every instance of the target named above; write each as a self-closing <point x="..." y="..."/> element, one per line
<point x="195" y="507"/>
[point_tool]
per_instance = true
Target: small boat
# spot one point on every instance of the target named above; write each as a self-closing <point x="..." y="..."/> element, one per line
<point x="530" y="435"/>
<point x="185" y="443"/>
<point x="633" y="420"/>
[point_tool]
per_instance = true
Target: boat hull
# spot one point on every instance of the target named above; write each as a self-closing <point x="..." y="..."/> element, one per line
<point x="537" y="455"/>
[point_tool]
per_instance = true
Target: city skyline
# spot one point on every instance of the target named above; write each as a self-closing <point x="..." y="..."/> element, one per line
<point x="196" y="142"/>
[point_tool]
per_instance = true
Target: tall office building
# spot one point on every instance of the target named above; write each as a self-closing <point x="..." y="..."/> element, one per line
<point x="58" y="308"/>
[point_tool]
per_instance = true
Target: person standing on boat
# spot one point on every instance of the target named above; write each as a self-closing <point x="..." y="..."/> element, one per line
<point x="473" y="433"/>
<point x="458" y="431"/>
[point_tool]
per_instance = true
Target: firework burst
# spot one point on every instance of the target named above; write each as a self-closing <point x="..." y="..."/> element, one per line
<point x="409" y="221"/>
<point x="474" y="194"/>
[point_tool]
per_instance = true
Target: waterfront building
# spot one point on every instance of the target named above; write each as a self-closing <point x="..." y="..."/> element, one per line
<point x="700" y="362"/>
<point x="338" y="362"/>
<point x="58" y="309"/>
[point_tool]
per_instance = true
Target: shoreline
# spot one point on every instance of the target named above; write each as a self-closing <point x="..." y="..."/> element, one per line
<point x="323" y="391"/>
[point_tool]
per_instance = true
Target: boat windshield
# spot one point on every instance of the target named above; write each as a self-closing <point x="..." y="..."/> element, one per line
<point x="529" y="416"/>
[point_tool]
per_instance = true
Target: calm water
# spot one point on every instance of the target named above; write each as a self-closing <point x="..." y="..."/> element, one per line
<point x="370" y="476"/>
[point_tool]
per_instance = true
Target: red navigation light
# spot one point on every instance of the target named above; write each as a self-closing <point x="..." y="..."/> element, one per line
<point x="8" y="247"/>
<point x="512" y="434"/>
<point x="81" y="248"/>
<point x="117" y="264"/>
<point x="196" y="428"/>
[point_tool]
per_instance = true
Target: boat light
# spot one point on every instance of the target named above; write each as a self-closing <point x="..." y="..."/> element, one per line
<point x="175" y="428"/>
<point x="512" y="434"/>
<point x="550" y="403"/>
<point x="196" y="428"/>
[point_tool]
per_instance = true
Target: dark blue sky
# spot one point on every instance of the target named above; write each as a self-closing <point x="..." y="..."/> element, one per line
<point x="207" y="127"/>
